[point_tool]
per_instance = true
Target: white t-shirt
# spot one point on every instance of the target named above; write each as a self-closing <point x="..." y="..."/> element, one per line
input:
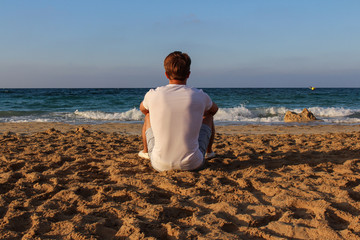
<point x="176" y="113"/>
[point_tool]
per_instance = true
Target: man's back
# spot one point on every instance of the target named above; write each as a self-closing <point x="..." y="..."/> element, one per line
<point x="176" y="113"/>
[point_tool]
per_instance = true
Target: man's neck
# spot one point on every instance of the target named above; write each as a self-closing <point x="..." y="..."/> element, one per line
<point x="178" y="82"/>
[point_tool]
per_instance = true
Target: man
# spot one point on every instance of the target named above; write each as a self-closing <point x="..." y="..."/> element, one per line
<point x="178" y="128"/>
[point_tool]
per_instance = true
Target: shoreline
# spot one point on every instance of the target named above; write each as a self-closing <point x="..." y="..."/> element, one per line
<point x="135" y="128"/>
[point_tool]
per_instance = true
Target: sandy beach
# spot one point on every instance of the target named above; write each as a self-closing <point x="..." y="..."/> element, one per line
<point x="60" y="181"/>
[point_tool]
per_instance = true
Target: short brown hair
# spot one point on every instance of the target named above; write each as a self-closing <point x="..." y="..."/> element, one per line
<point x="177" y="65"/>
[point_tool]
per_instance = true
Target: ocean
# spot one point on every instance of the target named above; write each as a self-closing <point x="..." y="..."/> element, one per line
<point x="237" y="106"/>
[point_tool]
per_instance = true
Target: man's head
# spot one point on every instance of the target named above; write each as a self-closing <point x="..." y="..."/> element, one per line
<point x="177" y="66"/>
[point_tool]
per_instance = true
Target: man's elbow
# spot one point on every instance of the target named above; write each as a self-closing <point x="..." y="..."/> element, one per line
<point x="143" y="109"/>
<point x="212" y="111"/>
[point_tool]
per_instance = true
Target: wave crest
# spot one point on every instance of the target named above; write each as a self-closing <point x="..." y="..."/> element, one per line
<point x="276" y="114"/>
<point x="130" y="115"/>
<point x="331" y="112"/>
<point x="237" y="115"/>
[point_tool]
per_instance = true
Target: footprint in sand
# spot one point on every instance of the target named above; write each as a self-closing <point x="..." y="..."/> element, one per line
<point x="159" y="197"/>
<point x="334" y="221"/>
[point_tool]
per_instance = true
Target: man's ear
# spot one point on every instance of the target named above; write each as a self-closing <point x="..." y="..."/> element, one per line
<point x="188" y="75"/>
<point x="167" y="76"/>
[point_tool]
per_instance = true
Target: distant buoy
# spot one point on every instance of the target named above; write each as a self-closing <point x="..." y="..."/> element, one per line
<point x="312" y="88"/>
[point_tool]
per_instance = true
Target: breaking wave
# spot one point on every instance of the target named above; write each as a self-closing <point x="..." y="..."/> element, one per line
<point x="131" y="115"/>
<point x="235" y="115"/>
<point x="240" y="114"/>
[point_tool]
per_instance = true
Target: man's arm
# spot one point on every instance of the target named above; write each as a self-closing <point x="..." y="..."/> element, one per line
<point x="212" y="111"/>
<point x="143" y="109"/>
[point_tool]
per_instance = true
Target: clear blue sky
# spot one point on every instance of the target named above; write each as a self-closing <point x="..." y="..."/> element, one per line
<point x="114" y="43"/>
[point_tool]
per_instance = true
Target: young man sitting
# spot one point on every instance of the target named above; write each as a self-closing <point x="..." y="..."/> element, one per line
<point x="178" y="130"/>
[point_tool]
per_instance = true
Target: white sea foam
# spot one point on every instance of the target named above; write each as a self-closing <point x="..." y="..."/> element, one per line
<point x="331" y="112"/>
<point x="271" y="111"/>
<point x="276" y="114"/>
<point x="131" y="115"/>
<point x="233" y="114"/>
<point x="243" y="114"/>
<point x="39" y="120"/>
<point x="236" y="115"/>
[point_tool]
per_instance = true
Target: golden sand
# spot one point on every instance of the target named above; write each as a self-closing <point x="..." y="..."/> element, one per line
<point x="61" y="181"/>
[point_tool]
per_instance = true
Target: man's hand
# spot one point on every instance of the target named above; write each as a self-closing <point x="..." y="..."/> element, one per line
<point x="143" y="109"/>
<point x="212" y="111"/>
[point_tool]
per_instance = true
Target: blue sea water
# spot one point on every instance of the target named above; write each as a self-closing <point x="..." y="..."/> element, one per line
<point x="236" y="105"/>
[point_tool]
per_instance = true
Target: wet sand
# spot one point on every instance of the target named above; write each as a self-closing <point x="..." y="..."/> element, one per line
<point x="60" y="181"/>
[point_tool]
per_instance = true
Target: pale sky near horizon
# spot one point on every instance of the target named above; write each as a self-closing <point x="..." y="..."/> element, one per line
<point x="109" y="43"/>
